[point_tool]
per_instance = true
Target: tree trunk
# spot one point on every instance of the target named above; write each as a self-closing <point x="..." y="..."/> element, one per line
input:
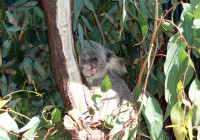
<point x="64" y="66"/>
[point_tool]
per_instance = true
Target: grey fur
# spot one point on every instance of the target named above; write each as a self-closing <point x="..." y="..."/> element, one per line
<point x="94" y="68"/>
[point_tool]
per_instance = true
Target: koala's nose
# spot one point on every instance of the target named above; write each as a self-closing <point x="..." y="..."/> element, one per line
<point x="92" y="66"/>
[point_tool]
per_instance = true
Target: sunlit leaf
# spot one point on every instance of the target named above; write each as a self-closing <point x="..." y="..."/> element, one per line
<point x="105" y="84"/>
<point x="9" y="124"/>
<point x="154" y="118"/>
<point x="56" y="115"/>
<point x="177" y="118"/>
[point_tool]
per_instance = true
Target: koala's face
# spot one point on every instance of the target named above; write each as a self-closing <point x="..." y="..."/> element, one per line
<point x="92" y="65"/>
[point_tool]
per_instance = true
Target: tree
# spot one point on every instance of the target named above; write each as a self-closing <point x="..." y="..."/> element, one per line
<point x="159" y="53"/>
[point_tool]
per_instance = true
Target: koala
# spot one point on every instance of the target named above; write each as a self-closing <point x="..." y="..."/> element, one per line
<point x="94" y="67"/>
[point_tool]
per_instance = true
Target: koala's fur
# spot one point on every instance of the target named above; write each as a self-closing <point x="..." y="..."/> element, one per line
<point x="95" y="67"/>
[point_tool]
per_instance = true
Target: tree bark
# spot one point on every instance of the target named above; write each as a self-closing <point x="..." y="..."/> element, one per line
<point x="58" y="15"/>
<point x="62" y="54"/>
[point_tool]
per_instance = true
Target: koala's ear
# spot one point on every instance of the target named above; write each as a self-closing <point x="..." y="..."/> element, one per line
<point x="115" y="64"/>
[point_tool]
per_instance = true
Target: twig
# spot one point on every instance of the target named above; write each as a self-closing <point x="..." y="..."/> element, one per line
<point x="100" y="29"/>
<point x="153" y="37"/>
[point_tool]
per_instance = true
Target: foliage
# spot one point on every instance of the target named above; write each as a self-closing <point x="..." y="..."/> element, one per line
<point x="30" y="104"/>
<point x="30" y="101"/>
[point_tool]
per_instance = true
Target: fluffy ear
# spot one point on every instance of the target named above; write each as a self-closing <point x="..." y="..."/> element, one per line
<point x="115" y="64"/>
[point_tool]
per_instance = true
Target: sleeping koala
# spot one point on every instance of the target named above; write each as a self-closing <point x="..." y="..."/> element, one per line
<point x="94" y="68"/>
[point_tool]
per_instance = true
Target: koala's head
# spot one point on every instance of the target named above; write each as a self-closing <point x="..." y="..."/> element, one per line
<point x="94" y="66"/>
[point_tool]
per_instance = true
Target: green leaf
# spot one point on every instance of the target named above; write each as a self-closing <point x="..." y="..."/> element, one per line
<point x="194" y="91"/>
<point x="26" y="6"/>
<point x="32" y="132"/>
<point x="171" y="68"/>
<point x="137" y="92"/>
<point x="196" y="13"/>
<point x="77" y="7"/>
<point x="194" y="3"/>
<point x="168" y="26"/>
<point x="2" y="103"/>
<point x="141" y="19"/>
<point x="28" y="71"/>
<point x="188" y="123"/>
<point x="88" y="5"/>
<point x="6" y="47"/>
<point x="9" y="33"/>
<point x="96" y="98"/>
<point x="39" y="69"/>
<point x="38" y="12"/>
<point x="177" y="118"/>
<point x="184" y="63"/>
<point x="56" y="115"/>
<point x="3" y="86"/>
<point x="8" y="123"/>
<point x="196" y="112"/>
<point x="14" y="28"/>
<point x="48" y="108"/>
<point x="110" y="18"/>
<point x="81" y="38"/>
<point x="105" y="84"/>
<point x="154" y="118"/>
<point x="19" y="2"/>
<point x="123" y="18"/>
<point x="87" y="24"/>
<point x="196" y="24"/>
<point x="30" y="124"/>
<point x="187" y="28"/>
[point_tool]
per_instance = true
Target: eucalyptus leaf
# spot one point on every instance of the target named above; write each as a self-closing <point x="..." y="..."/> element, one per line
<point x="105" y="84"/>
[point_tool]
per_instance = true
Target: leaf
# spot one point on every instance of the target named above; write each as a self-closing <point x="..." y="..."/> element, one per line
<point x="188" y="123"/>
<point x="194" y="3"/>
<point x="88" y="5"/>
<point x="6" y="47"/>
<point x="77" y="7"/>
<point x="196" y="112"/>
<point x="27" y="6"/>
<point x="87" y="24"/>
<point x="28" y="71"/>
<point x="80" y="36"/>
<point x="194" y="91"/>
<point x="168" y="26"/>
<point x="196" y="24"/>
<point x="171" y="68"/>
<point x="38" y="12"/>
<point x="96" y="98"/>
<point x="187" y="28"/>
<point x="30" y="124"/>
<point x="110" y="18"/>
<point x="32" y="132"/>
<point x="2" y="103"/>
<point x="8" y="123"/>
<point x="184" y="62"/>
<point x="153" y="117"/>
<point x="19" y="2"/>
<point x="9" y="63"/>
<point x="3" y="86"/>
<point x="123" y="18"/>
<point x="177" y="118"/>
<point x="105" y="84"/>
<point x="8" y="31"/>
<point x="39" y="69"/>
<point x="14" y="28"/>
<point x="137" y="92"/>
<point x="141" y="19"/>
<point x="11" y="18"/>
<point x="56" y="115"/>
<point x="196" y="13"/>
